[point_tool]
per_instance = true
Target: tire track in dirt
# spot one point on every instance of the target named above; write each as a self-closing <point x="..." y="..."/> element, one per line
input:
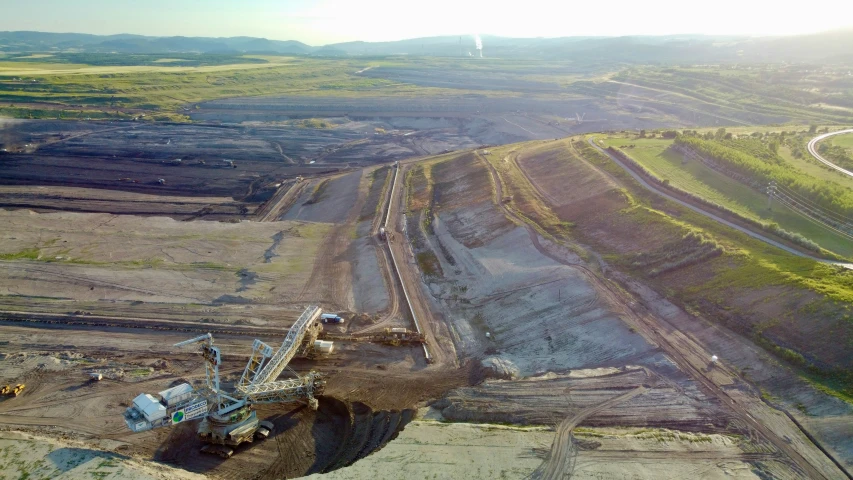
<point x="560" y="460"/>
<point x="91" y="281"/>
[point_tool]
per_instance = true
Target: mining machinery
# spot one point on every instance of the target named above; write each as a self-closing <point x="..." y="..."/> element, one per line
<point x="228" y="417"/>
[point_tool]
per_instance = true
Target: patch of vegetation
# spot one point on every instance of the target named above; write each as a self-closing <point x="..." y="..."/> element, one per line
<point x="692" y="248"/>
<point x="659" y="434"/>
<point x="210" y="266"/>
<point x="825" y="195"/>
<point x="429" y="264"/>
<point x="738" y="94"/>
<point x="313" y="123"/>
<point x="319" y="193"/>
<point x="122" y="85"/>
<point x="836" y="154"/>
<point x="26" y="254"/>
<point x="130" y="59"/>
<point x="419" y="187"/>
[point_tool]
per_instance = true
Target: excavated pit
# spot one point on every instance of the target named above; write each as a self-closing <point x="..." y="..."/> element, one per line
<point x="337" y="435"/>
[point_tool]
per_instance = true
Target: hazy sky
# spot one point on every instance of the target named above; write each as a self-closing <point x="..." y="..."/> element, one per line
<point x="320" y="22"/>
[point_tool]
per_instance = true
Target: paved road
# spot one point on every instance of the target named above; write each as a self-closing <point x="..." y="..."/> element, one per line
<point x="700" y="211"/>
<point x="813" y="151"/>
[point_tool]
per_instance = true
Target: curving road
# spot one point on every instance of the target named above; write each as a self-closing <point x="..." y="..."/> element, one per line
<point x="813" y="151"/>
<point x="710" y="215"/>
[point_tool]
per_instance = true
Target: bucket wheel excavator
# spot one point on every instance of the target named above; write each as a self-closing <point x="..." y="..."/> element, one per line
<point x="228" y="416"/>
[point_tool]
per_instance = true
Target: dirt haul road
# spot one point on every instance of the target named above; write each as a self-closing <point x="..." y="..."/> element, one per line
<point x="692" y="359"/>
<point x="440" y="346"/>
<point x="283" y="199"/>
<point x="383" y="255"/>
<point x="561" y="457"/>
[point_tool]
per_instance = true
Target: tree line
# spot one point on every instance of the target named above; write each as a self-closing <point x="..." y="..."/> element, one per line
<point x="826" y="195"/>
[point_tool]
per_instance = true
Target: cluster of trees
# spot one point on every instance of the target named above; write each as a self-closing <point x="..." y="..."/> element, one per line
<point x="836" y="154"/>
<point x="720" y="134"/>
<point x="826" y="195"/>
<point x="768" y="152"/>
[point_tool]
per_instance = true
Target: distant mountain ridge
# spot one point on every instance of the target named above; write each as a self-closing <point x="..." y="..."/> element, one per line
<point x="826" y="46"/>
<point x="39" y="42"/>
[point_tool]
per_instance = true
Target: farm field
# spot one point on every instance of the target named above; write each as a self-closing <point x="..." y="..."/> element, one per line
<point x="845" y="141"/>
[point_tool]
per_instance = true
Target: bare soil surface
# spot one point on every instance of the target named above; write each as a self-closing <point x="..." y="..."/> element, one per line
<point x="486" y="444"/>
<point x="364" y="408"/>
<point x="334" y="202"/>
<point x="131" y="263"/>
<point x="538" y="364"/>
<point x="481" y="118"/>
<point x="111" y="293"/>
<point x="540" y="315"/>
<point x="28" y="455"/>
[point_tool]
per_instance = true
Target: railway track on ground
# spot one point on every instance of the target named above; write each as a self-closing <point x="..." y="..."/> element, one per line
<point x="812" y="146"/>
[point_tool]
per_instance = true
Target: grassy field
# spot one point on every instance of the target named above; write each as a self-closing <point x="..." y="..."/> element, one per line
<point x="812" y="167"/>
<point x="34" y="89"/>
<point x="776" y="91"/>
<point x="845" y="141"/>
<point x="168" y="83"/>
<point x="695" y="177"/>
